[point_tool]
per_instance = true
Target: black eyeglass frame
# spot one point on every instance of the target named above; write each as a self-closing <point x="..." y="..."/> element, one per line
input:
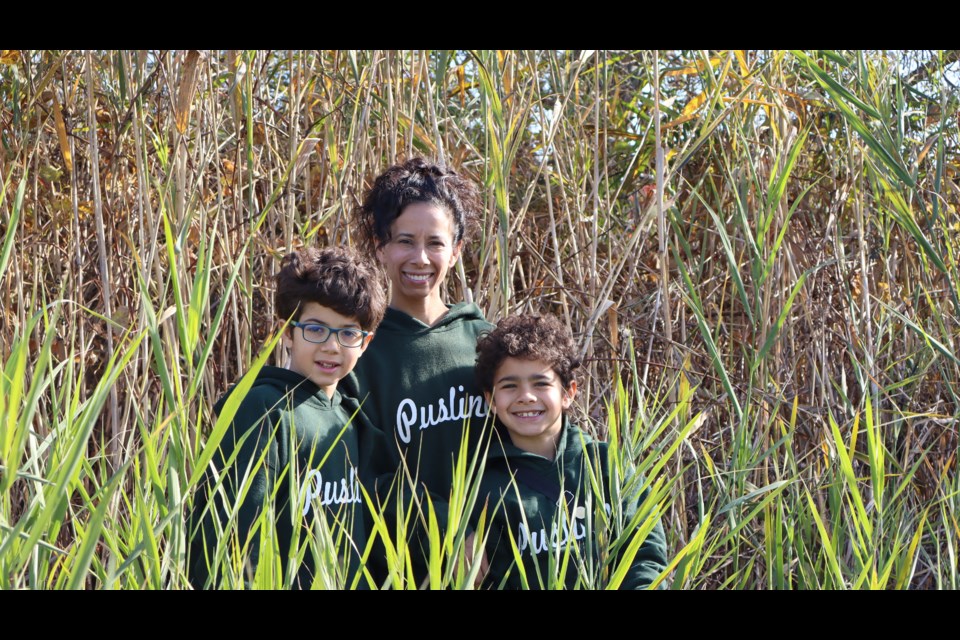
<point x="330" y="332"/>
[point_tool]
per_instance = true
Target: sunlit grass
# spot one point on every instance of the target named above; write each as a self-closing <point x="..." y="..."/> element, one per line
<point x="769" y="325"/>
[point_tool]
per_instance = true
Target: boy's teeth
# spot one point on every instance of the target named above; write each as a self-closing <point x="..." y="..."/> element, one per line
<point x="529" y="414"/>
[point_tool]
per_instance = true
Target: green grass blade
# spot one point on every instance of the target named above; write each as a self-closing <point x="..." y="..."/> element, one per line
<point x="697" y="307"/>
<point x="778" y="325"/>
<point x="78" y="572"/>
<point x="230" y="407"/>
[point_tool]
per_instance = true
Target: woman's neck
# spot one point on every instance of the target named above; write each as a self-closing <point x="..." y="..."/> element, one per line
<point x="427" y="310"/>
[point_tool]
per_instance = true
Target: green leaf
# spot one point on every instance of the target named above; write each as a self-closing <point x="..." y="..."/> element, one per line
<point x="832" y="564"/>
<point x="778" y="325"/>
<point x="91" y="534"/>
<point x="775" y="194"/>
<point x="861" y="518"/>
<point x="697" y="307"/>
<point x="840" y="97"/>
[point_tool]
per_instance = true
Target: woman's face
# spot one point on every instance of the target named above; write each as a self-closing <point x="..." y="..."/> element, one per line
<point x="420" y="252"/>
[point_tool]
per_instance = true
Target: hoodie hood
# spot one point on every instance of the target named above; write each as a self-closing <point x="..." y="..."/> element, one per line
<point x="282" y="382"/>
<point x="396" y="321"/>
<point x="572" y="443"/>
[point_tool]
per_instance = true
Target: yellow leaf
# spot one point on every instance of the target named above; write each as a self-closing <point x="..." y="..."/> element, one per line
<point x="742" y="59"/>
<point x="50" y="173"/>
<point x="748" y="101"/>
<point x="695" y="67"/>
<point x="679" y="120"/>
<point x="419" y="133"/>
<point x="9" y="56"/>
<point x="684" y="380"/>
<point x="461" y="85"/>
<point x="62" y="133"/>
<point x="926" y="149"/>
<point x="614" y="328"/>
<point x="694" y="104"/>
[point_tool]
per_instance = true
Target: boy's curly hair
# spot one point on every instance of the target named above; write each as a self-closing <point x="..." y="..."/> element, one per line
<point x="416" y="180"/>
<point x="335" y="277"/>
<point x="530" y="337"/>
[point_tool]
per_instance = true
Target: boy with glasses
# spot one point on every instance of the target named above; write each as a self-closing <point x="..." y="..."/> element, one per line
<point x="281" y="504"/>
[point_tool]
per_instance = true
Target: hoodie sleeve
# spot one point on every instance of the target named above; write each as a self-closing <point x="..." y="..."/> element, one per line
<point x="234" y="489"/>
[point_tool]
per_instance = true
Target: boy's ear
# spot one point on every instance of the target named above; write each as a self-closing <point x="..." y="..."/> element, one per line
<point x="568" y="394"/>
<point x="489" y="398"/>
<point x="367" y="341"/>
<point x="288" y="336"/>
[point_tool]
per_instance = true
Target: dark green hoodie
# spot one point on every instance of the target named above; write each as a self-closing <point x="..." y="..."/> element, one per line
<point x="292" y="426"/>
<point x="420" y="392"/>
<point x="422" y="389"/>
<point x="551" y="508"/>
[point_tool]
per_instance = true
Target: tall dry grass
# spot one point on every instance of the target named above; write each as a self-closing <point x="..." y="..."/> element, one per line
<point x="755" y="249"/>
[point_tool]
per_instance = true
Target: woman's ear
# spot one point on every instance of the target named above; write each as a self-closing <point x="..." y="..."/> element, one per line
<point x="456" y="253"/>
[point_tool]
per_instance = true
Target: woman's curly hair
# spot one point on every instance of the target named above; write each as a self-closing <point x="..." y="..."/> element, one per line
<point x="416" y="180"/>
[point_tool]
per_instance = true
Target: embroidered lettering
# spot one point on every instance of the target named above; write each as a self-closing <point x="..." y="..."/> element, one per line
<point x="458" y="408"/>
<point x="406" y="416"/>
<point x="342" y="491"/>
<point x="560" y="534"/>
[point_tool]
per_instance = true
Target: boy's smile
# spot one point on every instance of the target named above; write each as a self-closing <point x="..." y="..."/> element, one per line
<point x="325" y="363"/>
<point x="529" y="399"/>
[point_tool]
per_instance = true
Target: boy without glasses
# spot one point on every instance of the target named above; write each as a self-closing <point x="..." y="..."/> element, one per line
<point x="295" y="442"/>
<point x="547" y="486"/>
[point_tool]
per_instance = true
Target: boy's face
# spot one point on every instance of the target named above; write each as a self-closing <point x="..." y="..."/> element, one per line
<point x="325" y="363"/>
<point x="529" y="399"/>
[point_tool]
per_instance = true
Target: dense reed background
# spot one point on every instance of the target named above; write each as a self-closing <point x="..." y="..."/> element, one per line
<point x="757" y="252"/>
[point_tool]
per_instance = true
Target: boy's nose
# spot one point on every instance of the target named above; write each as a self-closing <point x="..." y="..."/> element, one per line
<point x="526" y="395"/>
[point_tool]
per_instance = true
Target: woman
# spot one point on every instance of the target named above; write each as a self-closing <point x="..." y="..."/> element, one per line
<point x="417" y="379"/>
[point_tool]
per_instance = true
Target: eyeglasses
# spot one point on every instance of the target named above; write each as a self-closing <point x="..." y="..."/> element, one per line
<point x="320" y="333"/>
